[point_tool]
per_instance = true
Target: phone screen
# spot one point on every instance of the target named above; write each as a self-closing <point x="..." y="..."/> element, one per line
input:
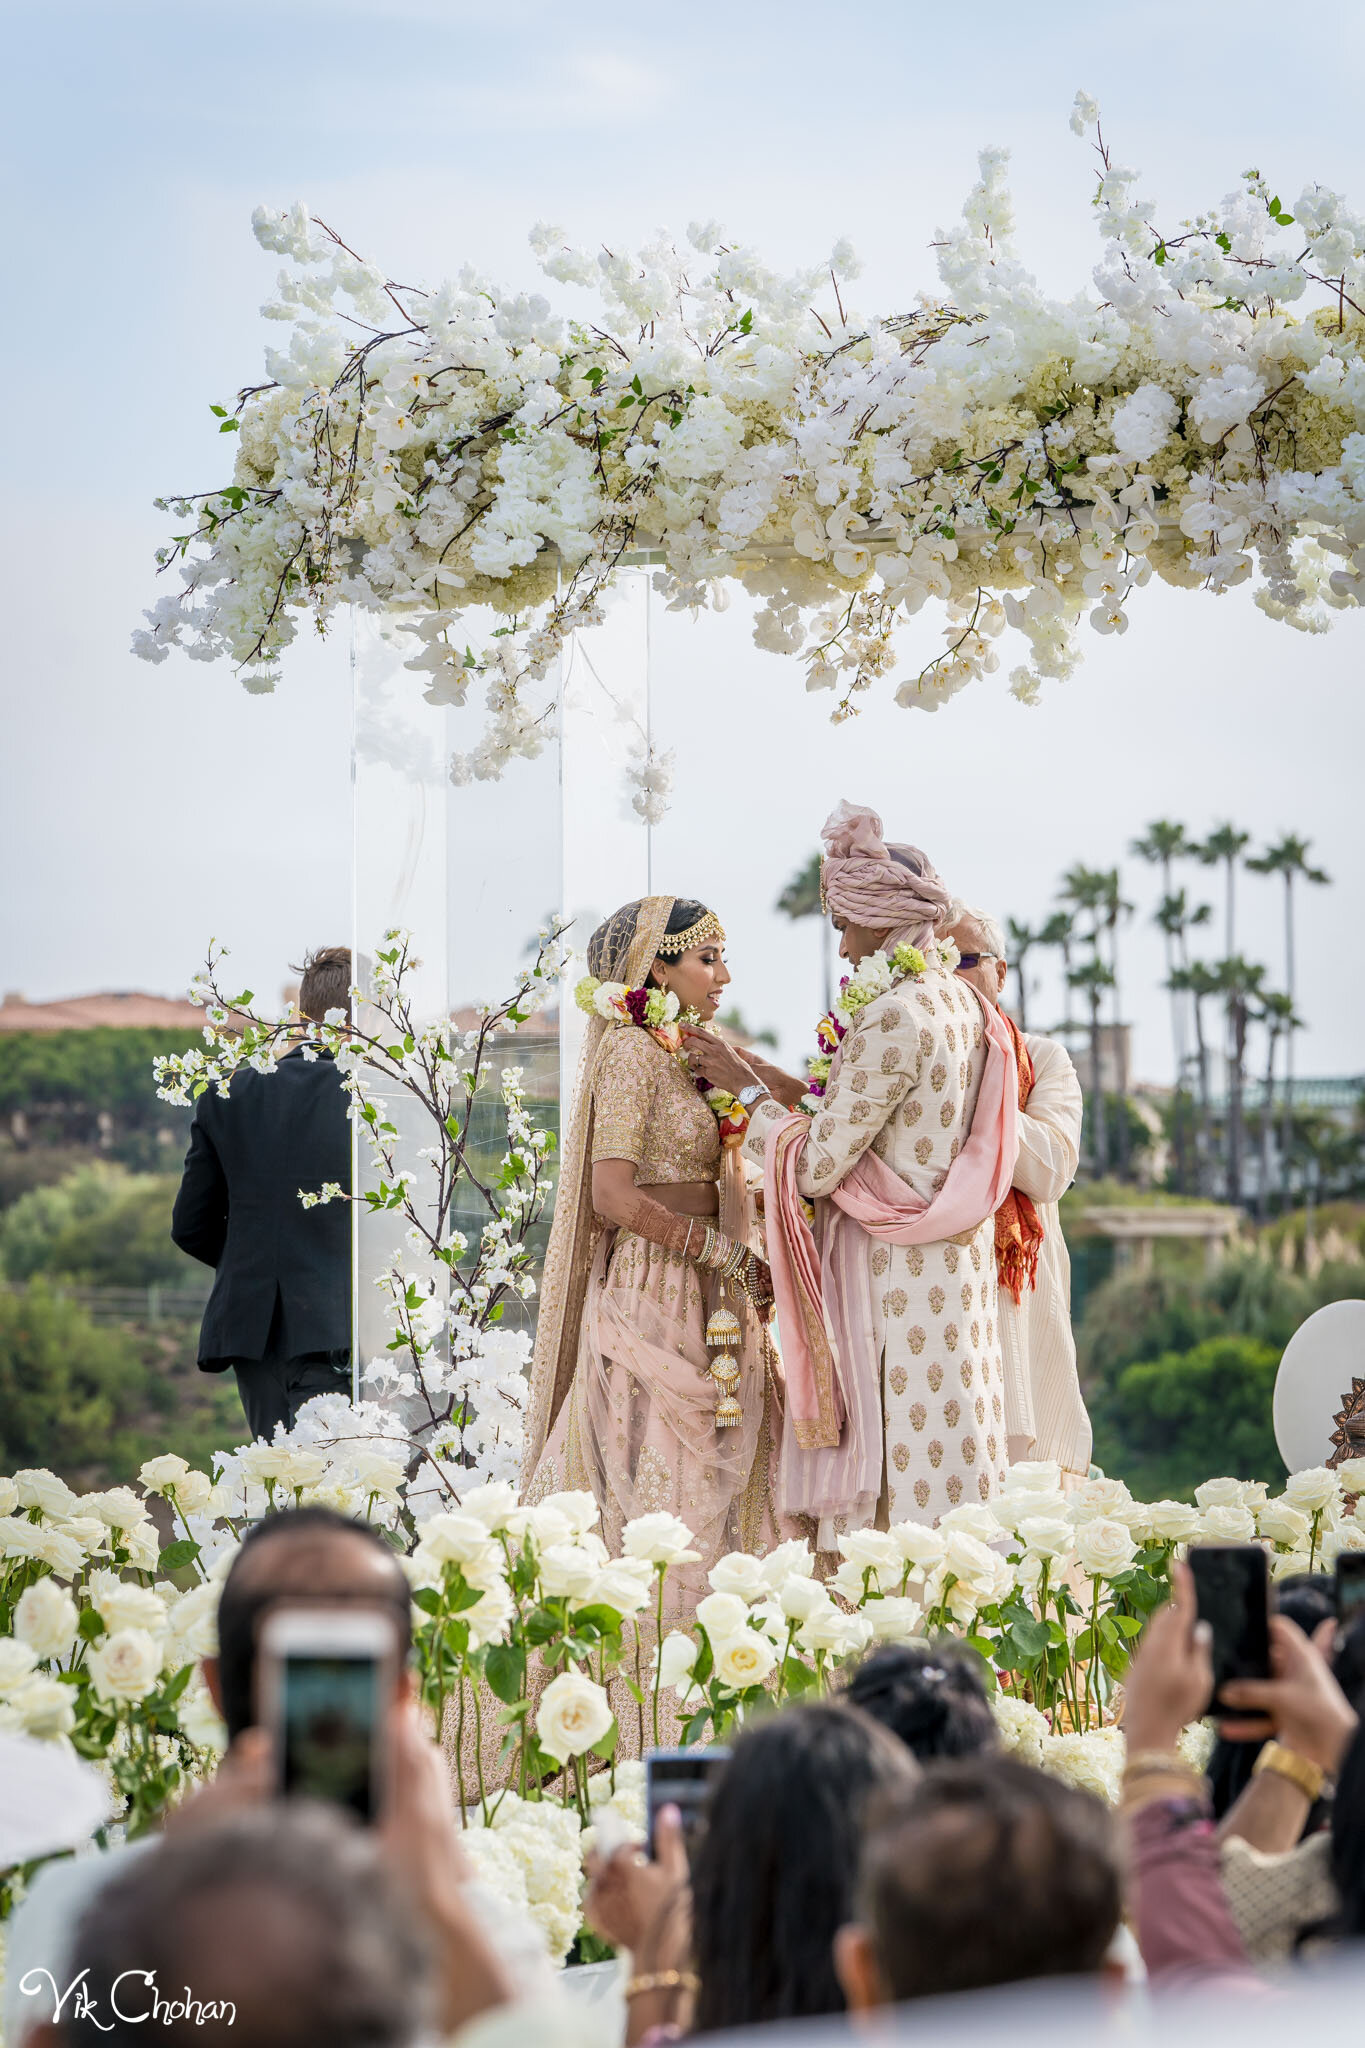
<point x="1350" y="1585"/>
<point x="681" y="1778"/>
<point x="330" y="1709"/>
<point x="1232" y="1587"/>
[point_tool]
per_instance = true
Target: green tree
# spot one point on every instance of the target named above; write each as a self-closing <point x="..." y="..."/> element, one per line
<point x="1022" y="940"/>
<point x="801" y="898"/>
<point x="100" y="1227"/>
<point x="1225" y="845"/>
<point x="69" y="1389"/>
<point x="1276" y="1013"/>
<point x="1288" y="858"/>
<point x="1163" y="843"/>
<point x="1179" y="1419"/>
<point x="1238" y="982"/>
<point x="1059" y="930"/>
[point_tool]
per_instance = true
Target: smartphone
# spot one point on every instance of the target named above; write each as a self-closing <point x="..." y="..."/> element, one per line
<point x="1350" y="1585"/>
<point x="1232" y="1588"/>
<point x="681" y="1778"/>
<point x="327" y="1677"/>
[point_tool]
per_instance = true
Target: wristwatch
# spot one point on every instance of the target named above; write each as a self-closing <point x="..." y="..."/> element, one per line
<point x="747" y="1097"/>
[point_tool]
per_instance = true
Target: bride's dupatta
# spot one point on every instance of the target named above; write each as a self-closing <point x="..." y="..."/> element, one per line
<point x="632" y="946"/>
<point x="832" y="1440"/>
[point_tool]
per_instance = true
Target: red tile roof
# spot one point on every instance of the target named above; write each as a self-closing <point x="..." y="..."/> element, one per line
<point x="81" y="1013"/>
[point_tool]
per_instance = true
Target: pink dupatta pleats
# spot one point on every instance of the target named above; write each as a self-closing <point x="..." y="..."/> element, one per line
<point x="832" y="1445"/>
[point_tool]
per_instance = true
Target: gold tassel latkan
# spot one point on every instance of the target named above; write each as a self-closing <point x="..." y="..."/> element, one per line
<point x="723" y="1334"/>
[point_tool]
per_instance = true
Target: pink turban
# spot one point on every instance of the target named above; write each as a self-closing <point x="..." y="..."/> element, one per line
<point x="894" y="889"/>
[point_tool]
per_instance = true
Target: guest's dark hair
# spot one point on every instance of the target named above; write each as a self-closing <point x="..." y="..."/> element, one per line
<point x="775" y="1868"/>
<point x="287" y="1916"/>
<point x="1308" y="1598"/>
<point x="1348" y="1840"/>
<point x="987" y="1872"/>
<point x="1348" y="1661"/>
<point x="325" y="982"/>
<point x="933" y="1698"/>
<point x="251" y="1588"/>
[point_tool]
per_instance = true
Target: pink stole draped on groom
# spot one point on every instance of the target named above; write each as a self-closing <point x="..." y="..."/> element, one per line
<point x="833" y="1448"/>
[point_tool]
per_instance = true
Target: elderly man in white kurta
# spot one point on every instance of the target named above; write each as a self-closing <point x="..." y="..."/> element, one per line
<point x="905" y="1087"/>
<point x="1045" y="1416"/>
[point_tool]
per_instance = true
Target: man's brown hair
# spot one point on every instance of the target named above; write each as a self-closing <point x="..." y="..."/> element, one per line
<point x="326" y="982"/>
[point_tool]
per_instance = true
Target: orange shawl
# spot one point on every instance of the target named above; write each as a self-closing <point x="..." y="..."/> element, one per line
<point x="1018" y="1232"/>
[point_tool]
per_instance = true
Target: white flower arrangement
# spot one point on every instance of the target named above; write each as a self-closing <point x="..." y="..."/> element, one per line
<point x="1020" y="461"/>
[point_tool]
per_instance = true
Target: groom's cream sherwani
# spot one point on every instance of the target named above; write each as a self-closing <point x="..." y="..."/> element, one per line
<point x="906" y="1085"/>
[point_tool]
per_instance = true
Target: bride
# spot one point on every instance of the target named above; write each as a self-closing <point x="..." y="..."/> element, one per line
<point x="652" y="1242"/>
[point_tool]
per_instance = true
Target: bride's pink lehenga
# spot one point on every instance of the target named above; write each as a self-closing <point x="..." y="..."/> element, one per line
<point x="622" y="1400"/>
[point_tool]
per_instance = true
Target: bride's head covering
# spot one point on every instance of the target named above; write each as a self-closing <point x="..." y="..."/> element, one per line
<point x="623" y="949"/>
<point x="890" y="888"/>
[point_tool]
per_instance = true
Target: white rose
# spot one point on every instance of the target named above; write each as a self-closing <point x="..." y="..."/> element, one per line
<point x="800" y="1598"/>
<point x="1195" y="1744"/>
<point x="143" y="1546"/>
<point x="200" y="1719"/>
<point x="768" y="1616"/>
<point x="126" y="1665"/>
<point x="118" y="1507"/>
<point x="159" y="1473"/>
<point x="625" y="1585"/>
<point x="739" y="1574"/>
<point x="1282" y="1523"/>
<point x="1228" y="1524"/>
<point x="661" y="1539"/>
<point x="722" y="1614"/>
<point x="17" y="1661"/>
<point x="93" y="1535"/>
<point x="1091" y="1763"/>
<point x="489" y="1616"/>
<point x="1012" y="1509"/>
<point x="194" y="1622"/>
<point x="1313" y="1490"/>
<point x="609" y="999"/>
<point x="848" y="1582"/>
<point x="573" y="1715"/>
<point x="260" y="1463"/>
<point x="9" y="1496"/>
<point x="1349" y="1535"/>
<point x="1219" y="1493"/>
<point x="676" y="1658"/>
<point x="1033" y="1475"/>
<point x="46" y="1708"/>
<point x="45" y="1619"/>
<point x="196" y="1494"/>
<point x="1104" y="1547"/>
<point x="579" y="1510"/>
<point x="1022" y="1727"/>
<point x="967" y="1559"/>
<point x="825" y="1628"/>
<point x="744" y="1659"/>
<point x="566" y="1571"/>
<point x="1351" y="1473"/>
<point x="970" y="1520"/>
<point x="1169" y="1521"/>
<point x="493" y="1505"/>
<point x="1107" y="1498"/>
<point x="792" y="1558"/>
<point x="124" y="1606"/>
<point x="874" y="1549"/>
<point x="59" y="1550"/>
<point x="919" y="1545"/>
<point x="894" y="1619"/>
<point x="1045" y="1537"/>
<point x="459" y="1539"/>
<point x="36" y="1487"/>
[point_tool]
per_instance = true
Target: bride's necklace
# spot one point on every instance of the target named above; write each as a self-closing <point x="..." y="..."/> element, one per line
<point x="876" y="975"/>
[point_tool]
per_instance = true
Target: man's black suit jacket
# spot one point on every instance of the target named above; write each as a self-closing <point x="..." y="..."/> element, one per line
<point x="238" y="1210"/>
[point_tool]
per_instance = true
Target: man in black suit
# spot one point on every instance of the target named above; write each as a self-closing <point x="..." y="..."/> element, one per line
<point x="280" y="1310"/>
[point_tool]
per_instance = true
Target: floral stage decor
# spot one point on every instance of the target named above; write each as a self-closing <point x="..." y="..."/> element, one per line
<point x="1197" y="414"/>
<point x="522" y="1614"/>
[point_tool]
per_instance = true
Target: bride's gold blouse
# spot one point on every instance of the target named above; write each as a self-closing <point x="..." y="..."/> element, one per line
<point x="647" y="1109"/>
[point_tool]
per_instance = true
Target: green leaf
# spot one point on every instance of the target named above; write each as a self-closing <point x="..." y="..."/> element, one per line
<point x="428" y="1599"/>
<point x="606" y="1748"/>
<point x="90" y="1627"/>
<point x="1030" y="1637"/>
<point x="598" y="1619"/>
<point x="177" y="1555"/>
<point x="227" y="426"/>
<point x="1225" y="243"/>
<point x="505" y="1669"/>
<point x="220" y="411"/>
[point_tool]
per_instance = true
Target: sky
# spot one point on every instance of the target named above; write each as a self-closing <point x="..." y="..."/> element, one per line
<point x="144" y="810"/>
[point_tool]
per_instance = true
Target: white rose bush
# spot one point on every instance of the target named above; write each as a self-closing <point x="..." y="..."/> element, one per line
<point x="1023" y="462"/>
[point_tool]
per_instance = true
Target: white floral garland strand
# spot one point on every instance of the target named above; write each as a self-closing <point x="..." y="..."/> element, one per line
<point x="1020" y="460"/>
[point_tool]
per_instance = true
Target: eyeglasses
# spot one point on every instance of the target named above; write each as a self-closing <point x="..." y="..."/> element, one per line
<point x="975" y="959"/>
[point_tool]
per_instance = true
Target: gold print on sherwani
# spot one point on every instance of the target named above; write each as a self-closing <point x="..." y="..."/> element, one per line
<point x="950" y="1336"/>
<point x="952" y="1413"/>
<point x="914" y="1259"/>
<point x="914" y="1110"/>
<point x="935" y="1452"/>
<point x="825" y="1128"/>
<point x="924" y="1150"/>
<point x="893" y="1019"/>
<point x="934" y="1375"/>
<point x="899" y="1379"/>
<point x="953" y="1488"/>
<point x="881" y="1259"/>
<point x="900" y="1455"/>
<point x="891" y="1058"/>
<point x="860" y="1111"/>
<point x="938" y="1075"/>
<point x="921" y="1493"/>
<point x="855" y="1049"/>
<point x="951" y="1036"/>
<point x="859" y="1082"/>
<point x="936" y="1301"/>
<point x="947" y="1114"/>
<point x="919" y="1415"/>
<point x="967" y="1299"/>
<point x="897" y="1301"/>
<point x="926" y="1041"/>
<point x="915" y="1339"/>
<point x="950" y="1257"/>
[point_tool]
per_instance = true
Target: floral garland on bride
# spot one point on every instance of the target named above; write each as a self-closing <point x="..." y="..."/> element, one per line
<point x="657" y="1011"/>
<point x="876" y="975"/>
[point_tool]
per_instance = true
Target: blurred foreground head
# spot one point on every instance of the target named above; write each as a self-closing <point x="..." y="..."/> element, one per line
<point x="283" y="1918"/>
<point x="985" y="1872"/>
<point x="932" y="1696"/>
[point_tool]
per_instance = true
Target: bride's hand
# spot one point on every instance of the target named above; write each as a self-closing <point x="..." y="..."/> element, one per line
<point x="715" y="1062"/>
<point x="763" y="1285"/>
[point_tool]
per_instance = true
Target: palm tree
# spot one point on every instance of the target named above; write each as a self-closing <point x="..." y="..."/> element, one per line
<point x="1277" y="1015"/>
<point x="1091" y="891"/>
<point x="801" y="898"/>
<point x="1176" y="916"/>
<point x="1238" y="981"/>
<point x="1021" y="941"/>
<point x="1115" y="910"/>
<point x="1161" y="844"/>
<point x="1058" y="930"/>
<point x="1289" y="858"/>
<point x="1226" y="844"/>
<point x="1199" y="983"/>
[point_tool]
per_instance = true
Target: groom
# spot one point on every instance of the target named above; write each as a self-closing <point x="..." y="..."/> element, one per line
<point x="280" y="1309"/>
<point x="889" y="1318"/>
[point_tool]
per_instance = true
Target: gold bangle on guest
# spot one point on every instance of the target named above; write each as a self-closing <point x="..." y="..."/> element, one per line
<point x="662" y="1980"/>
<point x="1140" y="1763"/>
<point x="1310" y="1778"/>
